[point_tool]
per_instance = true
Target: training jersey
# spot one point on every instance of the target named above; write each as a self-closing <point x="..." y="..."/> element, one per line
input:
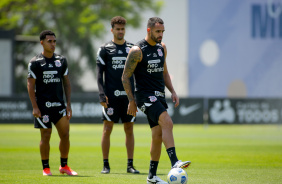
<point x="111" y="59"/>
<point x="48" y="73"/>
<point x="149" y="72"/>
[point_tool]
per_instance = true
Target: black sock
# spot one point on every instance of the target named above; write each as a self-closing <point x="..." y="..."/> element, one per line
<point x="172" y="155"/>
<point x="64" y="162"/>
<point x="45" y="163"/>
<point x="129" y="162"/>
<point x="153" y="169"/>
<point x="106" y="163"/>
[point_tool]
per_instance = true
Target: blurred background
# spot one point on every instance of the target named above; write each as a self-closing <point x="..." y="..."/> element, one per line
<point x="224" y="56"/>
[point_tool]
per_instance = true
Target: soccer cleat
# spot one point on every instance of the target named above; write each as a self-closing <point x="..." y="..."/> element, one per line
<point x="131" y="169"/>
<point x="156" y="180"/>
<point x="67" y="170"/>
<point x="106" y="170"/>
<point x="182" y="165"/>
<point x="47" y="172"/>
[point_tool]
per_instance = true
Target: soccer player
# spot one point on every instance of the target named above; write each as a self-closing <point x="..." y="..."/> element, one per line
<point x="147" y="61"/>
<point x="47" y="76"/>
<point x="111" y="58"/>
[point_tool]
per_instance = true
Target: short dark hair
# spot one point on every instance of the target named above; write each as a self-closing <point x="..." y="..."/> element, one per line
<point x="118" y="20"/>
<point x="44" y="33"/>
<point x="153" y="20"/>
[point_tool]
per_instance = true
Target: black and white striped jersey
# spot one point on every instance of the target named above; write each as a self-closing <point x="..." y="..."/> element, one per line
<point x="111" y="59"/>
<point x="48" y="73"/>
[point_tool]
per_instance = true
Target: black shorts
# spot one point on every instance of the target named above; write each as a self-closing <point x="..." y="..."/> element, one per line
<point x="153" y="106"/>
<point x="117" y="109"/>
<point x="49" y="115"/>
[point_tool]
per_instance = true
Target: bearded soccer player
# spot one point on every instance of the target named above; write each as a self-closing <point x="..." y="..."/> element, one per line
<point x="47" y="76"/>
<point x="147" y="61"/>
<point x="111" y="58"/>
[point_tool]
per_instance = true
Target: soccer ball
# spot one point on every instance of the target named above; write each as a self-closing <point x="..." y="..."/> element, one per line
<point x="177" y="176"/>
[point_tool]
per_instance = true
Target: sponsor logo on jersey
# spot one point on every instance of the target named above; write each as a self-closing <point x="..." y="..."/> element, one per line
<point x="160" y="52"/>
<point x="118" y="62"/>
<point x="155" y="55"/>
<point x="118" y="93"/>
<point x="153" y="66"/>
<point x="45" y="119"/>
<point x="152" y="98"/>
<point x="50" y="66"/>
<point x="110" y="111"/>
<point x="58" y="63"/>
<point x="53" y="104"/>
<point x="120" y="52"/>
<point x="49" y="77"/>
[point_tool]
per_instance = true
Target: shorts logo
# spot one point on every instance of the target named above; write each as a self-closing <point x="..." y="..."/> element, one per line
<point x="62" y="111"/>
<point x="152" y="98"/>
<point x="160" y="52"/>
<point x="110" y="111"/>
<point x="58" y="63"/>
<point x="143" y="108"/>
<point x="45" y="118"/>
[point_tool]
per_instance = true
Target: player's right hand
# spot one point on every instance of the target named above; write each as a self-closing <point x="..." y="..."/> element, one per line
<point x="36" y="113"/>
<point x="132" y="108"/>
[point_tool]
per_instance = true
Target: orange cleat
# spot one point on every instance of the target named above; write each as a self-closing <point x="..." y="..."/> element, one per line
<point x="47" y="172"/>
<point x="67" y="170"/>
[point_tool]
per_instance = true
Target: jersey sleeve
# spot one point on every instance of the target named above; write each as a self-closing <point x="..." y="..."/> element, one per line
<point x="100" y="68"/>
<point x="65" y="67"/>
<point x="31" y="70"/>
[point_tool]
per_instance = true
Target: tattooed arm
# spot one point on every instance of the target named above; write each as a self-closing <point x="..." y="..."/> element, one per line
<point x="134" y="56"/>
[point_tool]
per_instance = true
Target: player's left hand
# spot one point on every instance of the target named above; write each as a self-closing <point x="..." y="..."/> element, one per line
<point x="175" y="99"/>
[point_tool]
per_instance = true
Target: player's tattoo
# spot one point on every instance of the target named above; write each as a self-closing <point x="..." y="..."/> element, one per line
<point x="134" y="56"/>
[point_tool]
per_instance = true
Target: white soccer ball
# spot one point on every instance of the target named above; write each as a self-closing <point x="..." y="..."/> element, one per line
<point x="177" y="176"/>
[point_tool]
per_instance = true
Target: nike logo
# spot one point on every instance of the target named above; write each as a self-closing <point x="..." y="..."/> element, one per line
<point x="112" y="50"/>
<point x="43" y="64"/>
<point x="148" y="54"/>
<point x="187" y="110"/>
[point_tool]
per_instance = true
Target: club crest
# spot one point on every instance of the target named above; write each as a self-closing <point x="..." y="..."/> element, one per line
<point x="160" y="52"/>
<point x="58" y="63"/>
<point x="45" y="118"/>
<point x="110" y="111"/>
<point x="152" y="98"/>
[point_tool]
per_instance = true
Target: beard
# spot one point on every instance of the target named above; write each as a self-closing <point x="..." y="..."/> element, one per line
<point x="155" y="39"/>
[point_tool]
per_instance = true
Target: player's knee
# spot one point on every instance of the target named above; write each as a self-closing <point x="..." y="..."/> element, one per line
<point x="65" y="135"/>
<point x="108" y="130"/>
<point x="45" y="136"/>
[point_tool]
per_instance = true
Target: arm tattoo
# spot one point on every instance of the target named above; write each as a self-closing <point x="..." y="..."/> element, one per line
<point x="132" y="60"/>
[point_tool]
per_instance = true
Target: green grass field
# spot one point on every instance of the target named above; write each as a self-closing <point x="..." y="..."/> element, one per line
<point x="220" y="154"/>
